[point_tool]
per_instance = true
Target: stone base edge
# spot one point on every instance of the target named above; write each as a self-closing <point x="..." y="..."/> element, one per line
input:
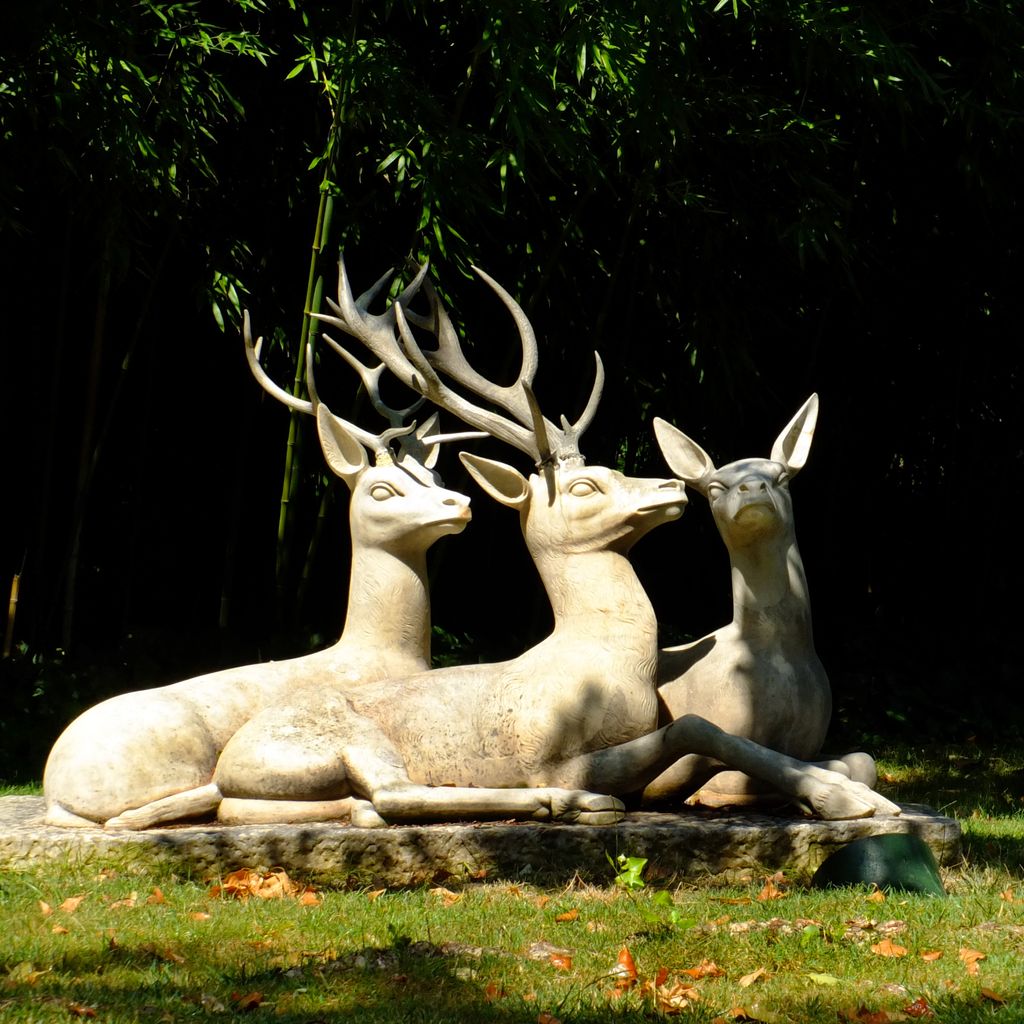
<point x="691" y="844"/>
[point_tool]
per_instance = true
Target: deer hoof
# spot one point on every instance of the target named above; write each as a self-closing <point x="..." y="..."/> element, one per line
<point x="577" y="806"/>
<point x="363" y="815"/>
<point x="852" y="800"/>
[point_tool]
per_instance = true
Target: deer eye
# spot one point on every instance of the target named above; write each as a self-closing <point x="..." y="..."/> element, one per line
<point x="582" y="488"/>
<point x="381" y="492"/>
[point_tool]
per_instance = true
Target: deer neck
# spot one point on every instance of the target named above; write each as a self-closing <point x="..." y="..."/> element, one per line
<point x="389" y="606"/>
<point x="597" y="594"/>
<point x="769" y="592"/>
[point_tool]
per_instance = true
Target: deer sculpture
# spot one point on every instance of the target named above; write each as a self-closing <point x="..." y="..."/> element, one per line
<point x="559" y="733"/>
<point x="121" y="761"/>
<point x="759" y="676"/>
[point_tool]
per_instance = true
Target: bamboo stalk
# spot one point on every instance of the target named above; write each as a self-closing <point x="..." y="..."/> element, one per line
<point x="12" y="611"/>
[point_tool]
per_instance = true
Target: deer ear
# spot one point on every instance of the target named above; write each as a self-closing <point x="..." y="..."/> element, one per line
<point x="345" y="455"/>
<point x="793" y="445"/>
<point x="503" y="483"/>
<point x="685" y="458"/>
<point x="430" y="427"/>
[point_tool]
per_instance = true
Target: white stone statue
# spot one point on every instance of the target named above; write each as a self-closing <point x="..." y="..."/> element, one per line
<point x="759" y="676"/>
<point x="133" y="752"/>
<point x="560" y="731"/>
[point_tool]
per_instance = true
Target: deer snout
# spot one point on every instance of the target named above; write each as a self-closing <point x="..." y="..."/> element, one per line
<point x="753" y="484"/>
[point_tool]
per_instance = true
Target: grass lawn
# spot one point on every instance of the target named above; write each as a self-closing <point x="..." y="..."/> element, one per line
<point x="120" y="944"/>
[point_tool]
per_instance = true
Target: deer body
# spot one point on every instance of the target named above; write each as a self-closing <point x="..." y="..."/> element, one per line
<point x="133" y="753"/>
<point x="759" y="676"/>
<point x="555" y="733"/>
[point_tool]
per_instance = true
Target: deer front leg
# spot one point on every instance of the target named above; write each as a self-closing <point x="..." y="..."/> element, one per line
<point x="629" y="767"/>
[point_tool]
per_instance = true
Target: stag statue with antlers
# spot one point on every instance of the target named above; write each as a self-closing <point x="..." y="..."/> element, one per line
<point x="561" y="732"/>
<point x="125" y="760"/>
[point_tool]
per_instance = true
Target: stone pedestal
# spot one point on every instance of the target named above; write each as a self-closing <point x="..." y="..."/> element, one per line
<point x="692" y="844"/>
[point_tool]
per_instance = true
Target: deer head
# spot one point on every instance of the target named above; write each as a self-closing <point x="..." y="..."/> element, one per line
<point x="397" y="501"/>
<point x="565" y="505"/>
<point x="749" y="498"/>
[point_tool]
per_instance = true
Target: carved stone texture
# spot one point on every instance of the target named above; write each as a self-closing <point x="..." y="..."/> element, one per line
<point x="759" y="676"/>
<point x="688" y="845"/>
<point x="144" y="756"/>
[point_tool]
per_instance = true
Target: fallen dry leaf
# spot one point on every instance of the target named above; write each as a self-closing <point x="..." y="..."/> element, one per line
<point x="200" y="915"/>
<point x="624" y="971"/>
<point x="80" y="1010"/>
<point x="72" y="903"/>
<point x="970" y="958"/>
<point x="493" y="992"/>
<point x="245" y="1002"/>
<point x="45" y="909"/>
<point x="931" y="955"/>
<point x="541" y="902"/>
<point x="560" y="961"/>
<point x="128" y="901"/>
<point x="748" y="979"/>
<point x="245" y="882"/>
<point x="919" y="1009"/>
<point x="672" y="999"/>
<point x="156" y="897"/>
<point x="1008" y="895"/>
<point x="375" y="894"/>
<point x="705" y="969"/>
<point x="448" y="897"/>
<point x="878" y="896"/>
<point x="59" y="929"/>
<point x="310" y="899"/>
<point x="569" y="915"/>
<point x="888" y="948"/>
<point x="771" y="891"/>
<point x="992" y="997"/>
<point x="547" y="1018"/>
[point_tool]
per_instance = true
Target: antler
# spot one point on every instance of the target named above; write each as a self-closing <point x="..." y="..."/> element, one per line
<point x="524" y="426"/>
<point x="417" y="444"/>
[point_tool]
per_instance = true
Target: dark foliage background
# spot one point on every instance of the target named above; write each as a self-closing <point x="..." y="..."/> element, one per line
<point x="736" y="205"/>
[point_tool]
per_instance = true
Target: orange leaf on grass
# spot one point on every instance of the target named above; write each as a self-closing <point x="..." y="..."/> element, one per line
<point x="310" y="899"/>
<point x="672" y="999"/>
<point x="931" y="955"/>
<point x="128" y="901"/>
<point x="494" y="991"/>
<point x="156" y="897"/>
<point x="80" y="1010"/>
<point x="547" y="1018"/>
<point x="200" y="915"/>
<point x="624" y="971"/>
<point x="705" y="969"/>
<point x="770" y="891"/>
<point x="45" y="909"/>
<point x="888" y="948"/>
<point x="748" y="979"/>
<point x="375" y="894"/>
<point x="446" y="895"/>
<point x="878" y="896"/>
<point x="560" y="961"/>
<point x="992" y="997"/>
<point x="970" y="958"/>
<point x="569" y="915"/>
<point x="72" y="903"/>
<point x="919" y="1009"/>
<point x="59" y="929"/>
<point x="1008" y="895"/>
<point x="244" y="1002"/>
